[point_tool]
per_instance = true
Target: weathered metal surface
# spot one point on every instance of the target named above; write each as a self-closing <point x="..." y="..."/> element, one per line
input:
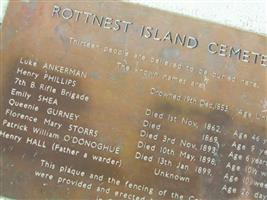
<point x="174" y="108"/>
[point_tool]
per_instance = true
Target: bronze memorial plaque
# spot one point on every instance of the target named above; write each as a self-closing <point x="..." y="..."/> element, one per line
<point x="111" y="100"/>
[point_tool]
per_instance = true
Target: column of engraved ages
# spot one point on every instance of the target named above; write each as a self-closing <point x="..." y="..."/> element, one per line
<point x="246" y="166"/>
<point x="35" y="116"/>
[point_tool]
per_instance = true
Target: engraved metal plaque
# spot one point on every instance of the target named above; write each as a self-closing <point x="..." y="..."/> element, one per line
<point x="109" y="100"/>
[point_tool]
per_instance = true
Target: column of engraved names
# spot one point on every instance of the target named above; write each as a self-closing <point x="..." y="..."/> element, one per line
<point x="19" y="113"/>
<point x="39" y="96"/>
<point x="29" y="93"/>
<point x="51" y="112"/>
